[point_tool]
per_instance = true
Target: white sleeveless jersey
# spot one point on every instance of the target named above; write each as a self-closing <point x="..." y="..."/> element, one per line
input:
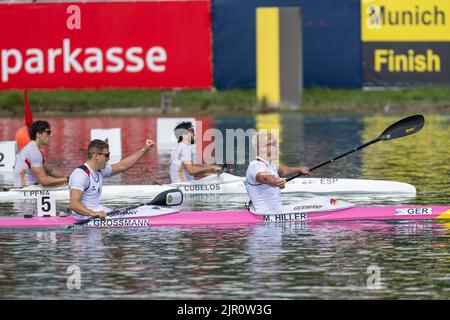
<point x="180" y="153"/>
<point x="90" y="182"/>
<point x="30" y="156"/>
<point x="265" y="199"/>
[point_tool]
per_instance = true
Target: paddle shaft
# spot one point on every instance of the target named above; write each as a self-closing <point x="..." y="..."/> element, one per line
<point x="401" y="128"/>
<point x="112" y="213"/>
<point x="336" y="158"/>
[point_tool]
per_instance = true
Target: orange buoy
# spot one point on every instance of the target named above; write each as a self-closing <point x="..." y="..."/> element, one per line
<point x="22" y="137"/>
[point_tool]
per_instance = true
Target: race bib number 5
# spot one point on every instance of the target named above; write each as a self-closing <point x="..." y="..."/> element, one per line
<point x="46" y="206"/>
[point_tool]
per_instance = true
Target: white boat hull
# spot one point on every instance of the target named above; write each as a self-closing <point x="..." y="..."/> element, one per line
<point x="225" y="184"/>
<point x="230" y="184"/>
<point x="108" y="192"/>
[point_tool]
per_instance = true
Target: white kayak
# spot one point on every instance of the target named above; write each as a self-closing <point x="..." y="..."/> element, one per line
<point x="224" y="184"/>
<point x="62" y="193"/>
<point x="230" y="184"/>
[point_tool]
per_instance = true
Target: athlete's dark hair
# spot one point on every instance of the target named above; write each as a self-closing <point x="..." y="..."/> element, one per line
<point x="38" y="126"/>
<point x="96" y="145"/>
<point x="181" y="129"/>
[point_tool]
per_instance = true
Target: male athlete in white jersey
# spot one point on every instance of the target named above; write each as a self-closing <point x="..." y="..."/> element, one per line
<point x="86" y="181"/>
<point x="264" y="180"/>
<point x="181" y="167"/>
<point x="30" y="167"/>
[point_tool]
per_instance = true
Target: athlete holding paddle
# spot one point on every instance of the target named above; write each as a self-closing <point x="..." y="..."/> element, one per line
<point x="182" y="168"/>
<point x="263" y="180"/>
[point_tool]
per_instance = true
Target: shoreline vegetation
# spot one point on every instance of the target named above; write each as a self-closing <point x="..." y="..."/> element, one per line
<point x="219" y="102"/>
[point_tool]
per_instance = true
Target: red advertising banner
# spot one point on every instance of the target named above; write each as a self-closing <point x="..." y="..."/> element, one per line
<point x="160" y="45"/>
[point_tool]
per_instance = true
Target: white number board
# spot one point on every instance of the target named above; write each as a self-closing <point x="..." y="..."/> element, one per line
<point x="46" y="205"/>
<point x="113" y="137"/>
<point x="8" y="150"/>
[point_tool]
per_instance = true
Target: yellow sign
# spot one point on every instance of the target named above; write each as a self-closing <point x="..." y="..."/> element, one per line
<point x="405" y="20"/>
<point x="268" y="55"/>
<point x="411" y="62"/>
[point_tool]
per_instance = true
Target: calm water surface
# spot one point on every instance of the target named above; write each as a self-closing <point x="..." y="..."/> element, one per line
<point x="278" y="261"/>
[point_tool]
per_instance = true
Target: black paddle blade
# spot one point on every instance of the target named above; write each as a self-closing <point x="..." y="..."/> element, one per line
<point x="404" y="127"/>
<point x="171" y="197"/>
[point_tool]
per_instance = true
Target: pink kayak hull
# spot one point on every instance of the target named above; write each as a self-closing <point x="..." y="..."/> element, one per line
<point x="195" y="218"/>
<point x="356" y="213"/>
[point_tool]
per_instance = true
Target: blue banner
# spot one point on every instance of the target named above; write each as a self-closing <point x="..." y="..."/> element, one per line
<point x="331" y="42"/>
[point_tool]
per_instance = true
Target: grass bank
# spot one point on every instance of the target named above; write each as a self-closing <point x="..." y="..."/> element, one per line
<point x="214" y="102"/>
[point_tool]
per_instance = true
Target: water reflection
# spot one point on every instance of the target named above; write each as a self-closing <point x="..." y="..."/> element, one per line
<point x="278" y="261"/>
<point x="420" y="159"/>
<point x="314" y="260"/>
